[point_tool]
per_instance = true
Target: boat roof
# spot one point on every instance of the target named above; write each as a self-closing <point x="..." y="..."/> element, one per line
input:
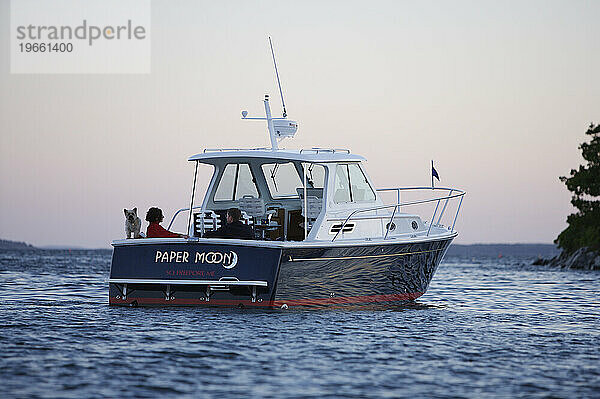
<point x="304" y="155"/>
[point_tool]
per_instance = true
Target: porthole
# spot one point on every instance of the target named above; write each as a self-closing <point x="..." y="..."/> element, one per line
<point x="415" y="225"/>
<point x="390" y="226"/>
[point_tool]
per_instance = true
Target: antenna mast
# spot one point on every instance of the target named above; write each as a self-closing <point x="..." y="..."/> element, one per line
<point x="278" y="81"/>
<point x="279" y="128"/>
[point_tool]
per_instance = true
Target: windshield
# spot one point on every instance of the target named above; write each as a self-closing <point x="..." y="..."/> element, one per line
<point x="282" y="179"/>
<point x="351" y="185"/>
<point x="236" y="181"/>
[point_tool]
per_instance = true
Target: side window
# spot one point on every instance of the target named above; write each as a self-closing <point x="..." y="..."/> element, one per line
<point x="236" y="181"/>
<point x="351" y="185"/>
<point x="316" y="176"/>
<point x="342" y="185"/>
<point x="224" y="190"/>
<point x="360" y="189"/>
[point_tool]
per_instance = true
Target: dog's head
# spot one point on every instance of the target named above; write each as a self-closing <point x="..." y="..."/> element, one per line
<point x="130" y="215"/>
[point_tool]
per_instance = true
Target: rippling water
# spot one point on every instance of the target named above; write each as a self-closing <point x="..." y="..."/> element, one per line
<point x="486" y="328"/>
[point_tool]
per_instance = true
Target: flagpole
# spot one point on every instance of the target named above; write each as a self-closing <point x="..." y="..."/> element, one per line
<point x="432" y="174"/>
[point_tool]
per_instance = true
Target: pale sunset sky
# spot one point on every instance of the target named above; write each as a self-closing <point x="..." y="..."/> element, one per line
<point x="498" y="93"/>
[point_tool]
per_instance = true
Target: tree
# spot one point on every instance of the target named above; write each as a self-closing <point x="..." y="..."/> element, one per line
<point x="584" y="183"/>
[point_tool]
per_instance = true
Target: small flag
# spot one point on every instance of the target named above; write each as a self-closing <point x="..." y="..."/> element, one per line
<point x="434" y="173"/>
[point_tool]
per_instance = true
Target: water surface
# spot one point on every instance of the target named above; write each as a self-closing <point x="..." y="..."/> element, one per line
<point x="487" y="327"/>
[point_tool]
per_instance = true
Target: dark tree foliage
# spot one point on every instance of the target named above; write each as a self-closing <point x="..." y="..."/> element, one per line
<point x="584" y="183"/>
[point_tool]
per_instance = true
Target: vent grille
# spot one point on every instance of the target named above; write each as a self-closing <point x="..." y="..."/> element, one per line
<point x="348" y="228"/>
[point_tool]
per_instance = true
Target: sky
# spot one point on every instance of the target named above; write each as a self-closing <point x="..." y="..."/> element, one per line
<point x="499" y="94"/>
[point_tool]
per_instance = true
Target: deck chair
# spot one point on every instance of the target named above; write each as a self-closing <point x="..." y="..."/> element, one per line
<point x="252" y="206"/>
<point x="205" y="221"/>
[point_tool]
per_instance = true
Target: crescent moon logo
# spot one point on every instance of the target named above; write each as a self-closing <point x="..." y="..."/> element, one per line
<point x="234" y="260"/>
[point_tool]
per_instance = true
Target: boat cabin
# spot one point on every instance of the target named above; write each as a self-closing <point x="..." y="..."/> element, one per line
<point x="294" y="194"/>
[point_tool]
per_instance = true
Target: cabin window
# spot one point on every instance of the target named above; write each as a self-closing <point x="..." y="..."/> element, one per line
<point x="342" y="185"/>
<point x="315" y="176"/>
<point x="236" y="181"/>
<point x="282" y="179"/>
<point x="351" y="185"/>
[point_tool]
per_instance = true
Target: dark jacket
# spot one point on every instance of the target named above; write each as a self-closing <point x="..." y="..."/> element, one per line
<point x="237" y="230"/>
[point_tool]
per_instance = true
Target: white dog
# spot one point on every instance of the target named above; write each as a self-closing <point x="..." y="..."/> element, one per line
<point x="132" y="223"/>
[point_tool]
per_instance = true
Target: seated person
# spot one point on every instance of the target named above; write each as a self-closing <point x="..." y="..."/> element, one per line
<point x="154" y="216"/>
<point x="233" y="229"/>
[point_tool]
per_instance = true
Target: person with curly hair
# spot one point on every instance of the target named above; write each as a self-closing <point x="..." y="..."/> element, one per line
<point x="154" y="216"/>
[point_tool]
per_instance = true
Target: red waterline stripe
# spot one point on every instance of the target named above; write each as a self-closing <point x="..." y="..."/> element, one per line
<point x="370" y="299"/>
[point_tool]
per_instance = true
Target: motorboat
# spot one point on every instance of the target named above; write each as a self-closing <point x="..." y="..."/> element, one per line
<point x="323" y="235"/>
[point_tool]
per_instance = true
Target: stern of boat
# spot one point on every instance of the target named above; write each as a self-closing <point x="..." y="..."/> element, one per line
<point x="146" y="272"/>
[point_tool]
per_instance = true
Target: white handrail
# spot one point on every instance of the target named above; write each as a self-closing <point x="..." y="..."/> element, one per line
<point x="460" y="193"/>
<point x="316" y="150"/>
<point x="420" y="188"/>
<point x="396" y="207"/>
<point x="178" y="212"/>
<point x="235" y="149"/>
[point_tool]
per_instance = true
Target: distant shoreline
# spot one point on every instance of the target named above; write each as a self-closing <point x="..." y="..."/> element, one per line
<point x="468" y="250"/>
<point x="20" y="245"/>
<point x="7" y="244"/>
<point x="500" y="250"/>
